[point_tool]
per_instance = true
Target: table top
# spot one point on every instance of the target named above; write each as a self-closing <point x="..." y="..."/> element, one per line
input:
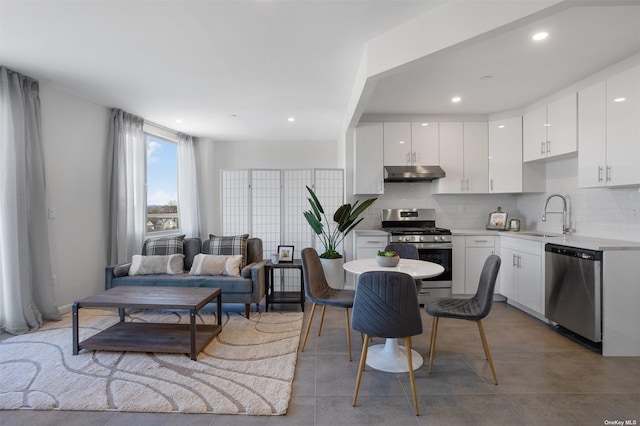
<point x="141" y="297"/>
<point x="416" y="268"/>
<point x="296" y="263"/>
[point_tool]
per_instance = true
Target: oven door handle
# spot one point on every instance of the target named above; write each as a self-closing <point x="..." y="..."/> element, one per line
<point x="434" y="246"/>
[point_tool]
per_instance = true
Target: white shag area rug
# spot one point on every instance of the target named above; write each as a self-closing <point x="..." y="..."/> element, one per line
<point x="247" y="369"/>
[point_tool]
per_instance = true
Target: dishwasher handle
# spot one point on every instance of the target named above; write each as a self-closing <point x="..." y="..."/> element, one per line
<point x="580" y="253"/>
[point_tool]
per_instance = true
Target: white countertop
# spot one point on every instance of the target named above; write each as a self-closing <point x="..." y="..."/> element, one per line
<point x="579" y="241"/>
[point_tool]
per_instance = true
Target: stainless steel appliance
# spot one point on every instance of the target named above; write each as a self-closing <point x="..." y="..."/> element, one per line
<point x="418" y="227"/>
<point x="573" y="289"/>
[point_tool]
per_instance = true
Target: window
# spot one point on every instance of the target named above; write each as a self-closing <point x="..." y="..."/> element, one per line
<point x="162" y="185"/>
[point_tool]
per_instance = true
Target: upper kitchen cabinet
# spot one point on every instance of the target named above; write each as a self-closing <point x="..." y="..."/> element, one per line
<point x="463" y="156"/>
<point x="551" y="131"/>
<point x="410" y="144"/>
<point x="507" y="173"/>
<point x="623" y="128"/>
<point x="425" y="143"/>
<point x="368" y="169"/>
<point x="609" y="133"/>
<point x="397" y="144"/>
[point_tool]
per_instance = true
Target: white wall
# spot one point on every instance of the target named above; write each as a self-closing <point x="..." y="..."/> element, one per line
<point x="74" y="134"/>
<point x="216" y="156"/>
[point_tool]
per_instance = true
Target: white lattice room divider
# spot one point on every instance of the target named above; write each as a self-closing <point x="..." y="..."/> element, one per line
<point x="235" y="201"/>
<point x="329" y="187"/>
<point x="266" y="208"/>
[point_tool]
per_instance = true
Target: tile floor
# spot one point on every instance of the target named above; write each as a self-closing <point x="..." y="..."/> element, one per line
<point x="544" y="379"/>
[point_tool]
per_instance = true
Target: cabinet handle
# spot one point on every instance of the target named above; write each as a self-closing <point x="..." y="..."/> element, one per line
<point x="608" y="173"/>
<point x="374" y="242"/>
<point x="408" y="158"/>
<point x="519" y="261"/>
<point x="481" y="241"/>
<point x="491" y="184"/>
<point x="415" y="156"/>
<point x="541" y="147"/>
<point x="513" y="261"/>
<point x="548" y="147"/>
<point x="468" y="186"/>
<point x="599" y="173"/>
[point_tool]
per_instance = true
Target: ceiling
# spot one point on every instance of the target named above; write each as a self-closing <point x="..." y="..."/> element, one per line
<point x="582" y="41"/>
<point x="237" y="70"/>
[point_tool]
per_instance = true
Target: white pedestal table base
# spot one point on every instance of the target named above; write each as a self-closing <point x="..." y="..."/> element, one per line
<point x="392" y="357"/>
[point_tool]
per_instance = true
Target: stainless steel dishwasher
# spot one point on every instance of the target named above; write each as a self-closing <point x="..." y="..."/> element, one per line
<point x="573" y="289"/>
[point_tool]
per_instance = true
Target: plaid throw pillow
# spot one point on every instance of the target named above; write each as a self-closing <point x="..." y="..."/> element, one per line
<point x="229" y="246"/>
<point x="163" y="246"/>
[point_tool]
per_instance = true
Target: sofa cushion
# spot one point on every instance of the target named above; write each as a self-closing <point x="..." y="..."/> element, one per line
<point x="163" y="246"/>
<point x="232" y="245"/>
<point x="145" y="265"/>
<point x="228" y="285"/>
<point x="211" y="264"/>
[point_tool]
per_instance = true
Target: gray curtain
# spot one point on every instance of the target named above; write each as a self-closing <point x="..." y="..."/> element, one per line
<point x="27" y="295"/>
<point x="126" y="178"/>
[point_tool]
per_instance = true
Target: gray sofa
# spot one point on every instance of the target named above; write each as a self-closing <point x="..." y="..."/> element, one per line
<point x="248" y="288"/>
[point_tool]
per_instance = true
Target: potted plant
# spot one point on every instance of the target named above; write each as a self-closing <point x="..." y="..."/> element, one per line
<point x="331" y="234"/>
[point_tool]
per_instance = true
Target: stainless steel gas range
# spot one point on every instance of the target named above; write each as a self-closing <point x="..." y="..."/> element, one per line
<point x="418" y="227"/>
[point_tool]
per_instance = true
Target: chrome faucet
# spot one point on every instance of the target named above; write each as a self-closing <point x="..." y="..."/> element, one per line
<point x="566" y="220"/>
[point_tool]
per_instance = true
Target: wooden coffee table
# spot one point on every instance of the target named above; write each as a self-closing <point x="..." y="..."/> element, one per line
<point x="151" y="337"/>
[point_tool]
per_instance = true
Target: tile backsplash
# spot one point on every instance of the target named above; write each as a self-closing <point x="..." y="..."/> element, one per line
<point x="595" y="212"/>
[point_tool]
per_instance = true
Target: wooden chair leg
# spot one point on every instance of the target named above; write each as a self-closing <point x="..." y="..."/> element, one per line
<point x="486" y="351"/>
<point x="412" y="376"/>
<point x="247" y="309"/>
<point x="432" y="349"/>
<point x="363" y="360"/>
<point x="306" y="334"/>
<point x="322" y="319"/>
<point x="348" y="332"/>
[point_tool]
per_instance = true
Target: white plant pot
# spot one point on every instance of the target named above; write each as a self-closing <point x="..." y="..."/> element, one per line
<point x="333" y="272"/>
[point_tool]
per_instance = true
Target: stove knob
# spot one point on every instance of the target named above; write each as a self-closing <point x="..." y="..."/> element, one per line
<point x="401" y="239"/>
<point x="437" y="238"/>
<point x="421" y="238"/>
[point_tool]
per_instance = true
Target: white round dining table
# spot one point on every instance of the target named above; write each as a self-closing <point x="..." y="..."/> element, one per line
<point x="392" y="357"/>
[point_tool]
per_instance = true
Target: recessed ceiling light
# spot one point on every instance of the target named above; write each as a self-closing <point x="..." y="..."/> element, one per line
<point x="425" y="124"/>
<point x="179" y="121"/>
<point x="547" y="125"/>
<point x="401" y="141"/>
<point x="540" y="36"/>
<point x="619" y="99"/>
<point x="456" y="99"/>
<point x="501" y="126"/>
<point x="291" y="119"/>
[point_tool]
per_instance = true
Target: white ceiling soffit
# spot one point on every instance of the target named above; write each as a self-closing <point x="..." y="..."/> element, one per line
<point x="582" y="40"/>
<point x="231" y="70"/>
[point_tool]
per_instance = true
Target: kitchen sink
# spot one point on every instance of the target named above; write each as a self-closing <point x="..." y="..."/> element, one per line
<point x="541" y="234"/>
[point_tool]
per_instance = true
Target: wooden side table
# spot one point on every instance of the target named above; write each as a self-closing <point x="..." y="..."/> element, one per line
<point x="274" y="296"/>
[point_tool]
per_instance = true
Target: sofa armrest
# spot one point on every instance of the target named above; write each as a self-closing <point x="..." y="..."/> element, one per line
<point x="115" y="271"/>
<point x="256" y="272"/>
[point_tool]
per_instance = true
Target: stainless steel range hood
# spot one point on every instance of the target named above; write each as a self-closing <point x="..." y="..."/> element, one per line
<point x="412" y="173"/>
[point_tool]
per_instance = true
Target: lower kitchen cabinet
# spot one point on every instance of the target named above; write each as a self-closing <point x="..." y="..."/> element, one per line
<point x="366" y="244"/>
<point x="469" y="255"/>
<point x="521" y="275"/>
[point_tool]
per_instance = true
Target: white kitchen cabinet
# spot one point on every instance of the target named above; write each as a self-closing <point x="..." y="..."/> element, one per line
<point x="592" y="155"/>
<point x="521" y="272"/>
<point x="368" y="169"/>
<point x="507" y="172"/>
<point x="397" y="144"/>
<point x="366" y="244"/>
<point x="477" y="249"/>
<point x="623" y="129"/>
<point x="458" y="264"/>
<point x="551" y="130"/>
<point x="609" y="133"/>
<point x="464" y="158"/>
<point x="411" y="144"/>
<point x="425" y="140"/>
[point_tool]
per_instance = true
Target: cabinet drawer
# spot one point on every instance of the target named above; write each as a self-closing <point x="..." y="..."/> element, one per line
<point x="372" y="241"/>
<point x="526" y="246"/>
<point x="480" y="241"/>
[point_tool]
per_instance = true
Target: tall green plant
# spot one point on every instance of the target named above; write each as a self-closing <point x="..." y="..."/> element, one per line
<point x="345" y="219"/>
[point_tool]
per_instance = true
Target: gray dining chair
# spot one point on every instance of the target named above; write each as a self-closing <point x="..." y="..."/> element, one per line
<point x="475" y="308"/>
<point x="386" y="305"/>
<point x="406" y="251"/>
<point x="318" y="291"/>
